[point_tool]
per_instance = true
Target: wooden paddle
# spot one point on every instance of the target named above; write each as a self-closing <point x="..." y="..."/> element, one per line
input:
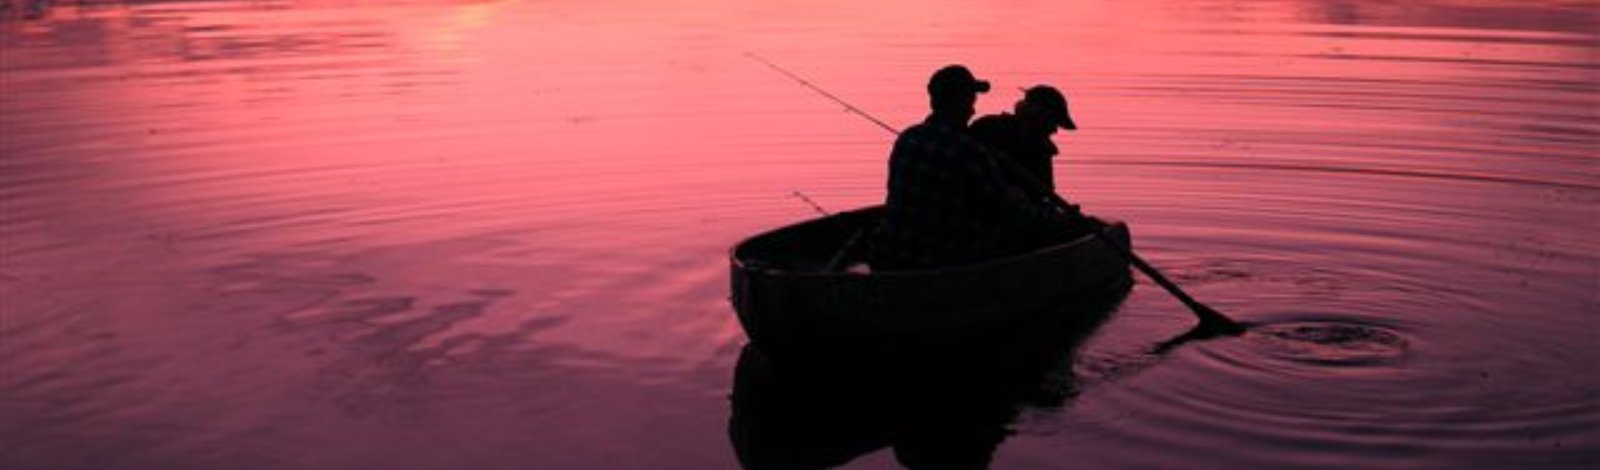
<point x="1212" y="322"/>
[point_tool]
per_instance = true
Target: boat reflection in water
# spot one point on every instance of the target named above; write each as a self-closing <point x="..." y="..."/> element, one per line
<point x="933" y="410"/>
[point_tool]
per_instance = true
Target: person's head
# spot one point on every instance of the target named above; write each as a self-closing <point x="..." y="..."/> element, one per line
<point x="953" y="92"/>
<point x="1042" y="110"/>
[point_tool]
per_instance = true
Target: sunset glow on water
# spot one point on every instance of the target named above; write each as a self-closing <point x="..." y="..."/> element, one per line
<point x="434" y="234"/>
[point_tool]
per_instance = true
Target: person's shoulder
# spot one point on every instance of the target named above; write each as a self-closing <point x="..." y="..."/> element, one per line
<point x="930" y="134"/>
<point x="994" y="119"/>
<point x="915" y="136"/>
<point x="992" y="124"/>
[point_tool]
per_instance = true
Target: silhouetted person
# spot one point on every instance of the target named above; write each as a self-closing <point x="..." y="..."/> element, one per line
<point x="949" y="203"/>
<point x="1025" y="135"/>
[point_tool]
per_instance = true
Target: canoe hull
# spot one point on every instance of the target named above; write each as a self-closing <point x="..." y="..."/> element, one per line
<point x="790" y="306"/>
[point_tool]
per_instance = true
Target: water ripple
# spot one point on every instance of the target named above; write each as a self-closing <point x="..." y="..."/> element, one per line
<point x="431" y="232"/>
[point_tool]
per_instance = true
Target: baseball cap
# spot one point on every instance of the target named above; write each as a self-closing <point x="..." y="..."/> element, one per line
<point x="1053" y="103"/>
<point x="955" y="79"/>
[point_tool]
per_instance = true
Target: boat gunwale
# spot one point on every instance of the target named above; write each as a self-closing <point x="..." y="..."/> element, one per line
<point x="740" y="265"/>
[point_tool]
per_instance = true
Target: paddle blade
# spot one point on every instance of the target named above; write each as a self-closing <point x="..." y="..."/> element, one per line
<point x="1212" y="325"/>
<point x="1215" y="323"/>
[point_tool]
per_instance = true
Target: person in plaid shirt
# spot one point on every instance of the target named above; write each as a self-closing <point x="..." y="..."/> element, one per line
<point x="949" y="202"/>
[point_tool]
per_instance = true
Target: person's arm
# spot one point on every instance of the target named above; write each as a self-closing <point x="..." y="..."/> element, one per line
<point x="1002" y="176"/>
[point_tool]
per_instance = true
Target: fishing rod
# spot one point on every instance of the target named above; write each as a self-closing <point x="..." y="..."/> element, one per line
<point x="1212" y="322"/>
<point x="813" y="204"/>
<point x="847" y="106"/>
<point x="838" y="259"/>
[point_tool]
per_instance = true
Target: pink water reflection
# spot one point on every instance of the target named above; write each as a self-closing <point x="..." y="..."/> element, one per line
<point x="413" y="235"/>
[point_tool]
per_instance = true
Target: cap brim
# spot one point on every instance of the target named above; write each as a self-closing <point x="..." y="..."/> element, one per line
<point x="1066" y="123"/>
<point x="980" y="86"/>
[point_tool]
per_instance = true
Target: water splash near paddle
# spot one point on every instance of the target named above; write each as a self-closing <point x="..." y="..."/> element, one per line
<point x="1324" y="342"/>
<point x="1330" y="343"/>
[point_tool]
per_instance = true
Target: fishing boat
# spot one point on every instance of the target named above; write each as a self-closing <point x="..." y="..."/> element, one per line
<point x="803" y="290"/>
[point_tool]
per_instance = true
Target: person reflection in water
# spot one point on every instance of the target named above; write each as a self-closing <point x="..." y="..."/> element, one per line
<point x="949" y="203"/>
<point x="1025" y="136"/>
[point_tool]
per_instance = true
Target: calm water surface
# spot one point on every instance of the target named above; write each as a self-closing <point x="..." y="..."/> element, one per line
<point x="480" y="234"/>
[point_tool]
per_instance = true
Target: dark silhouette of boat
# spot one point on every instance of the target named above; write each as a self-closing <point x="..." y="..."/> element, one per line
<point x="801" y="291"/>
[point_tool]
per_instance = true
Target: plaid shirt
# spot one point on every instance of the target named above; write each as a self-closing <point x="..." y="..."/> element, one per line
<point x="950" y="204"/>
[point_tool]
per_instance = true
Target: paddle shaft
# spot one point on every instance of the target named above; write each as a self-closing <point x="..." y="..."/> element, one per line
<point x="1209" y="318"/>
<point x="1207" y="315"/>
